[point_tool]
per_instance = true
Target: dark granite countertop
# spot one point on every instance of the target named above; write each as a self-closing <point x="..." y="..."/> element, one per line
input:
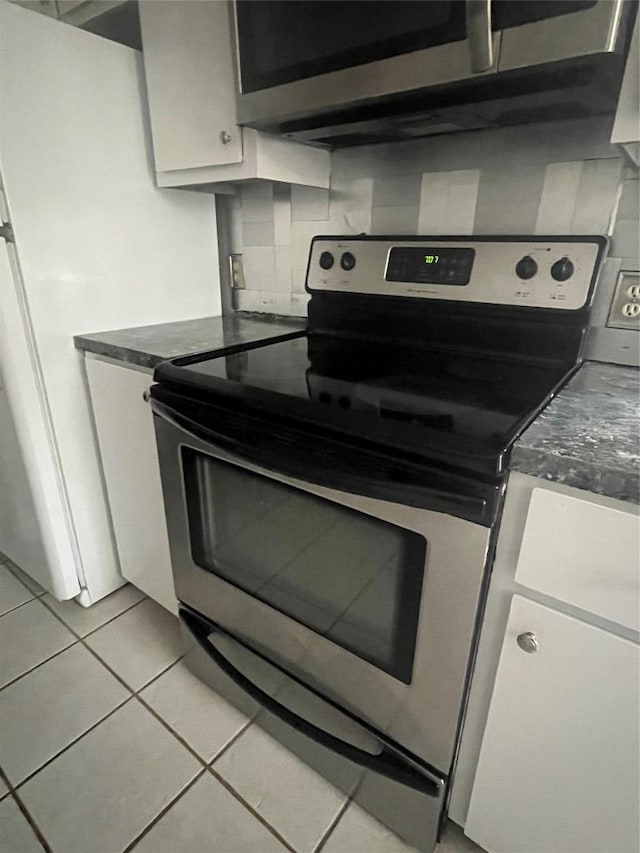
<point x="589" y="435"/>
<point x="147" y="346"/>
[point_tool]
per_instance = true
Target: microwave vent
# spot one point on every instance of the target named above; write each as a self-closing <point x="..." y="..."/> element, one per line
<point x="348" y="139"/>
<point x="549" y="112"/>
<point x="559" y="91"/>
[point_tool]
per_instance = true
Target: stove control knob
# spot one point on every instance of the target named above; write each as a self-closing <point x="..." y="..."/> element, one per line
<point x="526" y="267"/>
<point x="326" y="260"/>
<point x="347" y="261"/>
<point x="562" y="269"/>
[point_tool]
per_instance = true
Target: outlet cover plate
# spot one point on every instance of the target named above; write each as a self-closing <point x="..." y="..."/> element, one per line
<point x="236" y="271"/>
<point x="625" y="306"/>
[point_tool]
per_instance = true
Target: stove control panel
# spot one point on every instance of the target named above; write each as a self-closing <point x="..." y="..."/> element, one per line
<point x="538" y="272"/>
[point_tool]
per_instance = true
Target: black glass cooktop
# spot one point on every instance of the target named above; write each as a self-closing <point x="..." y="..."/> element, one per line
<point x="453" y="402"/>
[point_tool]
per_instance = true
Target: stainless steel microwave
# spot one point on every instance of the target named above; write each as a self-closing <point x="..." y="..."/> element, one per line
<point x="345" y="73"/>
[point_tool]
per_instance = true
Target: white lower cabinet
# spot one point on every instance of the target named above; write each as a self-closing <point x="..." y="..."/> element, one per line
<point x="126" y="437"/>
<point x="584" y="554"/>
<point x="560" y="759"/>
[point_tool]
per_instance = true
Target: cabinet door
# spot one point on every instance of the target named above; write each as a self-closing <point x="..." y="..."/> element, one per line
<point x="126" y="437"/>
<point x="189" y="69"/>
<point x="627" y="122"/>
<point x="558" y="769"/>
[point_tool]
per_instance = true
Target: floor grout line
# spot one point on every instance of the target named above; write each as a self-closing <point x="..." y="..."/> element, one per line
<point x="135" y="694"/>
<point x="79" y="638"/>
<point x="99" y="627"/>
<point x="12" y="568"/>
<point x="116" y="675"/>
<point x="329" y="830"/>
<point x="207" y="766"/>
<point x="113" y="618"/>
<point x="25" y="812"/>
<point x="219" y="778"/>
<point x="166" y="725"/>
<point x="36" y="666"/>
<point x="132" y="694"/>
<point x="230" y="742"/>
<point x="18" y="606"/>
<point x="68" y="746"/>
<point x="164" y="811"/>
<point x="159" y="675"/>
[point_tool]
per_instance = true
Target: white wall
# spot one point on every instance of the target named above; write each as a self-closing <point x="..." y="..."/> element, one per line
<point x="20" y="533"/>
<point x="100" y="247"/>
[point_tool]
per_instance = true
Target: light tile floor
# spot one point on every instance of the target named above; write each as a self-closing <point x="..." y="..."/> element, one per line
<point x="109" y="745"/>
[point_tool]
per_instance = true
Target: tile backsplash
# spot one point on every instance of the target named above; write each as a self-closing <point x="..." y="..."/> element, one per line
<point x="620" y="346"/>
<point x="555" y="178"/>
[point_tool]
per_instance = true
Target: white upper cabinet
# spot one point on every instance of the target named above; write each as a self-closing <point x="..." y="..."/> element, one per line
<point x="45" y="7"/>
<point x="80" y="12"/>
<point x="74" y="12"/>
<point x="191" y="84"/>
<point x="189" y="60"/>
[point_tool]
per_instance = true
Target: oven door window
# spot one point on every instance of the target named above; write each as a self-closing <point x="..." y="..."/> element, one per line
<point x="350" y="577"/>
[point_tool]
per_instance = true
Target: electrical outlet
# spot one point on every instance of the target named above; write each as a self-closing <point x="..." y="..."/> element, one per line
<point x="625" y="306"/>
<point x="236" y="272"/>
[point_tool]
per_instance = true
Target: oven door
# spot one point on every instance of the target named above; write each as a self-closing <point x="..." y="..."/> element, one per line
<point x="369" y="602"/>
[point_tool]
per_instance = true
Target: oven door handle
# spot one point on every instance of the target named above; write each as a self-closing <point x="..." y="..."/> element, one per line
<point x="293" y="459"/>
<point x="386" y="762"/>
<point x="269" y="460"/>
<point x="292" y="463"/>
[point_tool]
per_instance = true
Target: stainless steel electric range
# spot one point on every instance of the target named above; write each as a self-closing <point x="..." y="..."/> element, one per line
<point x="332" y="496"/>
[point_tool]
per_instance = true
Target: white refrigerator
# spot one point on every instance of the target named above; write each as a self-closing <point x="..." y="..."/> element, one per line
<point x="96" y="246"/>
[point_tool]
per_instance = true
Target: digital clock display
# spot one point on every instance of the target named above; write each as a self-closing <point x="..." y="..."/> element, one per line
<point x="430" y="265"/>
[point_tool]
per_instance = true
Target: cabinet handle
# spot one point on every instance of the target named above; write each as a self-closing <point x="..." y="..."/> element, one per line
<point x="6" y="231"/>
<point x="480" y="35"/>
<point x="528" y="642"/>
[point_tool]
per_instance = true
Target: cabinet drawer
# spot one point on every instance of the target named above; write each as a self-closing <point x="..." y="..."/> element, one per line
<point x="584" y="554"/>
